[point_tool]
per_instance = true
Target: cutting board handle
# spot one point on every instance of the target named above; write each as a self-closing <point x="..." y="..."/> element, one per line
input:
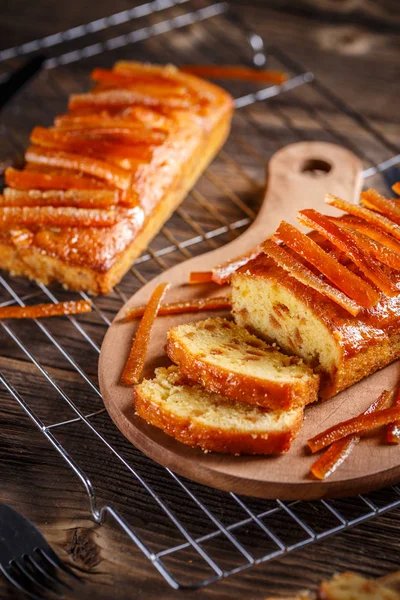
<point x="299" y="176"/>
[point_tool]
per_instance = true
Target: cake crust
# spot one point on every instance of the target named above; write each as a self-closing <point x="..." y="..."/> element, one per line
<point x="191" y="430"/>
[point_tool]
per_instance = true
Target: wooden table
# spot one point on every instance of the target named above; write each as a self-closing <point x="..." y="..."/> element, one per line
<point x="354" y="53"/>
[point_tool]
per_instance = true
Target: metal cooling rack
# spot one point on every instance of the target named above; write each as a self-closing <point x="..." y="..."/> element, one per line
<point x="192" y="534"/>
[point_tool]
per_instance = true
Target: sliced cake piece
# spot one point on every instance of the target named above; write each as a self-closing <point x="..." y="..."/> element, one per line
<point x="226" y="359"/>
<point x="212" y="422"/>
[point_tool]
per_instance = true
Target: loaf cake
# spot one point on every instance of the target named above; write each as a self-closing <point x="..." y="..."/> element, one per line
<point x="226" y="359"/>
<point x="199" y="418"/>
<point x="307" y="317"/>
<point x="99" y="184"/>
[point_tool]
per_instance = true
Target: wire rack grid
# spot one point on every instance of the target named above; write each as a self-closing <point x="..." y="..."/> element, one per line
<point x="192" y="534"/>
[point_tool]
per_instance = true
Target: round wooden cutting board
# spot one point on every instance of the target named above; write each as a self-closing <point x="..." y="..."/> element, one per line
<point x="298" y="177"/>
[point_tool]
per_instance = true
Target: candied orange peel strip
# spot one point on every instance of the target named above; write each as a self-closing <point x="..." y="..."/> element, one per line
<point x="353" y="286"/>
<point x="122" y="97"/>
<point x="174" y="308"/>
<point x="58" y="198"/>
<point x="339" y="451"/>
<point x="380" y="251"/>
<point x="137" y="118"/>
<point x="74" y="142"/>
<point x="222" y="273"/>
<point x="354" y="426"/>
<point x="137" y="355"/>
<point x="297" y="270"/>
<point x="201" y="277"/>
<point x="342" y="240"/>
<point x="37" y="311"/>
<point x="91" y="166"/>
<point x="390" y="208"/>
<point x="124" y="77"/>
<point x="372" y="231"/>
<point x="370" y="216"/>
<point x="27" y="180"/>
<point x="49" y="216"/>
<point x="393" y="429"/>
<point x="235" y="72"/>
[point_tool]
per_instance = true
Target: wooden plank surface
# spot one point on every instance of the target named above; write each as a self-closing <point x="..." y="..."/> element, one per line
<point x="360" y="64"/>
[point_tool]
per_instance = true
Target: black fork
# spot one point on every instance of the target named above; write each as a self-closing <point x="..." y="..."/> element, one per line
<point x="27" y="560"/>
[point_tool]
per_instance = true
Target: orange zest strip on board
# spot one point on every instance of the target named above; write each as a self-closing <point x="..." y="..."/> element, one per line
<point x="381" y="252"/>
<point x="201" y="277"/>
<point x="222" y="273"/>
<point x="396" y="187"/>
<point x="339" y="238"/>
<point x="174" y="308"/>
<point x="26" y="180"/>
<point x="339" y="451"/>
<point x="370" y="216"/>
<point x="79" y="198"/>
<point x="353" y="286"/>
<point x="137" y="355"/>
<point x="73" y="307"/>
<point x="354" y="426"/>
<point x="91" y="166"/>
<point x="235" y="72"/>
<point x="297" y="270"/>
<point x="390" y="208"/>
<point x="393" y="429"/>
<point x="48" y="216"/>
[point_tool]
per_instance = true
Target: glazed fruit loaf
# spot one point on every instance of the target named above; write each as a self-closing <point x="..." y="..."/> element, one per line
<point x="342" y="348"/>
<point x="212" y="422"/>
<point x="226" y="359"/>
<point x="331" y="296"/>
<point x="99" y="184"/>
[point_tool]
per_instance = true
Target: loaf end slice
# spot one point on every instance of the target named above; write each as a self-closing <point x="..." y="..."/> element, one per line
<point x="212" y="422"/>
<point x="226" y="359"/>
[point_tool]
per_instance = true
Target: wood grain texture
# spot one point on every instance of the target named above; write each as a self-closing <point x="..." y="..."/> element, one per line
<point x="35" y="479"/>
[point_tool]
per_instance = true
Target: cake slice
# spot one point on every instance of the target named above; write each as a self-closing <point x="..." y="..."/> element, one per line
<point x="226" y="359"/>
<point x="212" y="422"/>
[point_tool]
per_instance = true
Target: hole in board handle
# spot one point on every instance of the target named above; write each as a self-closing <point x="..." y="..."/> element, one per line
<point x="315" y="167"/>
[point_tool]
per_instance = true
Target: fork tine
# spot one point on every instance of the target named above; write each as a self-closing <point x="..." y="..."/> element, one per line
<point x="17" y="584"/>
<point x="36" y="581"/>
<point x="53" y="559"/>
<point x="53" y="578"/>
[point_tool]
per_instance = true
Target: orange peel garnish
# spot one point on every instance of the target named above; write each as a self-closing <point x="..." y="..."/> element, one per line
<point x="190" y="306"/>
<point x="348" y="282"/>
<point x="300" y="272"/>
<point x="38" y="311"/>
<point x="339" y="451"/>
<point x="340" y="238"/>
<point x="137" y="355"/>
